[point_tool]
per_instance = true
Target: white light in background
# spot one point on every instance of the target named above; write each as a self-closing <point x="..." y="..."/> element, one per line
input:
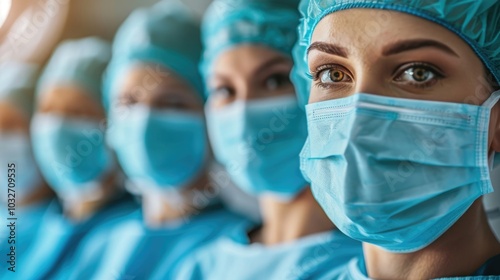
<point x="5" y="6"/>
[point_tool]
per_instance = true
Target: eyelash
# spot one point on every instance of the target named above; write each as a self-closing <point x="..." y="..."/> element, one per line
<point x="438" y="74"/>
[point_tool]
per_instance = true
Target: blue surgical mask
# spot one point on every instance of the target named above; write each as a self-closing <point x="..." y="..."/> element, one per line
<point x="71" y="153"/>
<point x="397" y="173"/>
<point x="159" y="149"/>
<point x="20" y="170"/>
<point x="259" y="143"/>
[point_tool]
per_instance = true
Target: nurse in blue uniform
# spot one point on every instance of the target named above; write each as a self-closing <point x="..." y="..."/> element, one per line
<point x="403" y="127"/>
<point x="257" y="129"/>
<point x="69" y="146"/>
<point x="27" y="193"/>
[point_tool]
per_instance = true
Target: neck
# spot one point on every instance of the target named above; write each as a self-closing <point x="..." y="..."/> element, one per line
<point x="460" y="251"/>
<point x="289" y="221"/>
<point x="80" y="210"/>
<point x="159" y="209"/>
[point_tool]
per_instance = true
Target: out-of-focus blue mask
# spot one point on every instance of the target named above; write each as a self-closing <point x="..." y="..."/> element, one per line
<point x="259" y="144"/>
<point x="71" y="153"/>
<point x="159" y="149"/>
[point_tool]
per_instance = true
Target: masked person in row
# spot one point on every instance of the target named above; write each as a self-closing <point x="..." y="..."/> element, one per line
<point x="257" y="129"/>
<point x="404" y="123"/>
<point x="154" y="96"/>
<point x="68" y="143"/>
<point x="24" y="195"/>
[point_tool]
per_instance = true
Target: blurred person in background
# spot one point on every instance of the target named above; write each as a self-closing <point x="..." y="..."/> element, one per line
<point x="154" y="97"/>
<point x="492" y="203"/>
<point x="22" y="188"/>
<point x="68" y="130"/>
<point x="404" y="131"/>
<point x="257" y="130"/>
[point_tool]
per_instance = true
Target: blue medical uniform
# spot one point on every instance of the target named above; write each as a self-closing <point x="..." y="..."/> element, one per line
<point x="29" y="219"/>
<point x="57" y="237"/>
<point x="233" y="257"/>
<point x="131" y="250"/>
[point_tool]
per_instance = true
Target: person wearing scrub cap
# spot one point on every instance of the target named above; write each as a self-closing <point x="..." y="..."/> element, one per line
<point x="154" y="97"/>
<point x="68" y="130"/>
<point x="257" y="129"/>
<point x="23" y="189"/>
<point x="69" y="126"/>
<point x="404" y="124"/>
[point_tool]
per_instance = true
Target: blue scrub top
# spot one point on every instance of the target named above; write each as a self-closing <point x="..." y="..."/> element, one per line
<point x="57" y="237"/>
<point x="233" y="257"/>
<point x="29" y="219"/>
<point x="356" y="270"/>
<point x="130" y="250"/>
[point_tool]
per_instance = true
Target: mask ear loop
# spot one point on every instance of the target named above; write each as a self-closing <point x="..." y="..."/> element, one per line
<point x="484" y="126"/>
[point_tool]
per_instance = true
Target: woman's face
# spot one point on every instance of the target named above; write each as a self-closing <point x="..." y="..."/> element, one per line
<point x="249" y="72"/>
<point x="407" y="57"/>
<point x="158" y="89"/>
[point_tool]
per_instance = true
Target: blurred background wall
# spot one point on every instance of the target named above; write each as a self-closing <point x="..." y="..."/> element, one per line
<point x="32" y="28"/>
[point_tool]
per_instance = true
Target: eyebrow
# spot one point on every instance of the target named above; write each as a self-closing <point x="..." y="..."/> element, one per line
<point x="409" y="45"/>
<point x="328" y="48"/>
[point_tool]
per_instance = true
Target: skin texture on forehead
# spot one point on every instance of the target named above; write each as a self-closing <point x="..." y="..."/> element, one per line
<point x="465" y="78"/>
<point x="70" y="101"/>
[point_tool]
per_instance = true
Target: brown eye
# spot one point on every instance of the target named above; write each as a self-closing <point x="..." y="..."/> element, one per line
<point x="337" y="76"/>
<point x="420" y="74"/>
<point x="329" y="76"/>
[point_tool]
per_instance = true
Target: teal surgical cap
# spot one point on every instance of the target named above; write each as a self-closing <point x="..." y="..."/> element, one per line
<point x="228" y="23"/>
<point x="477" y="22"/>
<point x="167" y="34"/>
<point x="77" y="63"/>
<point x="17" y="84"/>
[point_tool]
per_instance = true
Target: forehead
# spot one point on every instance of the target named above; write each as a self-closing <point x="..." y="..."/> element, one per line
<point x="369" y="30"/>
<point x="244" y="58"/>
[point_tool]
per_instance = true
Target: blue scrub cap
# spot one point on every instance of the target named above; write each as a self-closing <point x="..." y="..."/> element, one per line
<point x="168" y="33"/>
<point x="17" y="84"/>
<point x="78" y="62"/>
<point x="477" y="22"/>
<point x="227" y="23"/>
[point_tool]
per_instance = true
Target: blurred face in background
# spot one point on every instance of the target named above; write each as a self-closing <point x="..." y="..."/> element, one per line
<point x="16" y="154"/>
<point x="249" y="72"/>
<point x="160" y="90"/>
<point x="160" y="139"/>
<point x="70" y="147"/>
